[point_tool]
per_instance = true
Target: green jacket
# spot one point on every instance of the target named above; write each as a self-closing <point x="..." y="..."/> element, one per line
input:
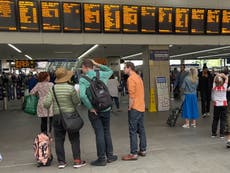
<point x="105" y="73"/>
<point x="67" y="97"/>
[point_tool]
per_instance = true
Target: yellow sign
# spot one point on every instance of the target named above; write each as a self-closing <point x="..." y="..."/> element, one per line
<point x="152" y="102"/>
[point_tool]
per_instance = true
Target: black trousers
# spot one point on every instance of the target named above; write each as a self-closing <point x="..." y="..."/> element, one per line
<point x="205" y="102"/>
<point x="44" y="124"/>
<point x="220" y="113"/>
<point x="59" y="135"/>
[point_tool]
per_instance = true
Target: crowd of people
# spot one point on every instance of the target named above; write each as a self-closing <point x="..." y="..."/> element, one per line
<point x="215" y="87"/>
<point x="69" y="96"/>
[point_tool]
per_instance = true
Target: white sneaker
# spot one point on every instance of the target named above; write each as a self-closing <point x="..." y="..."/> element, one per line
<point x="185" y="126"/>
<point x="193" y="125"/>
<point x="207" y="114"/>
<point x="204" y="115"/>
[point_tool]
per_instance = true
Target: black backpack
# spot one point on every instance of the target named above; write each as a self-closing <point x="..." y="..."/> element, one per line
<point x="98" y="93"/>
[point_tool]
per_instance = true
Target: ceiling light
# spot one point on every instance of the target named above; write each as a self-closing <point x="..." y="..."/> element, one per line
<point x="209" y="56"/>
<point x="130" y="56"/>
<point x="63" y="52"/>
<point x="197" y="52"/>
<point x="15" y="48"/>
<point x="27" y="56"/>
<point x="88" y="51"/>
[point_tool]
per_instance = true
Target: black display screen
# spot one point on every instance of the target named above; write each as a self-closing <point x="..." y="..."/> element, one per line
<point x="197" y="21"/>
<point x="92" y="17"/>
<point x="50" y="16"/>
<point x="7" y="15"/>
<point x="165" y="20"/>
<point x="225" y="22"/>
<point x="112" y="18"/>
<point x="71" y="16"/>
<point x="213" y="22"/>
<point x="130" y="18"/>
<point x="182" y="20"/>
<point x="148" y="19"/>
<point x="28" y="15"/>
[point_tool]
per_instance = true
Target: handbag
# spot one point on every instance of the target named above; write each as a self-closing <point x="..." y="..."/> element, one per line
<point x="72" y="122"/>
<point x="30" y="104"/>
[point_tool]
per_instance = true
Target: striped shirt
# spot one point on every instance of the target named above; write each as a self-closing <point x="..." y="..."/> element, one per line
<point x="66" y="96"/>
<point x="219" y="95"/>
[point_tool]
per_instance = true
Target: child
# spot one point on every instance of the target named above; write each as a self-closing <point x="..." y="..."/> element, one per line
<point x="219" y="92"/>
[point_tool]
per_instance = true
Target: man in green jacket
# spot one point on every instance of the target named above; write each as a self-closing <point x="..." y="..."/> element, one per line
<point x="100" y="121"/>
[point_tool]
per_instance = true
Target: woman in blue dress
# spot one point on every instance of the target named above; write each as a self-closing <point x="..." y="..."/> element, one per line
<point x="190" y="104"/>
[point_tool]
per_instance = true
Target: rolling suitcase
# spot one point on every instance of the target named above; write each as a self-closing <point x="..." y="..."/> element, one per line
<point x="173" y="116"/>
<point x="42" y="147"/>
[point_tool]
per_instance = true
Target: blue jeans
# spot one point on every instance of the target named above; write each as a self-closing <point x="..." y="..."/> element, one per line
<point x="136" y="126"/>
<point x="101" y="126"/>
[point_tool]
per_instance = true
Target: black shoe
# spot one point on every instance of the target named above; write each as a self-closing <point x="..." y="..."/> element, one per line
<point x="228" y="144"/>
<point x="98" y="162"/>
<point x="111" y="159"/>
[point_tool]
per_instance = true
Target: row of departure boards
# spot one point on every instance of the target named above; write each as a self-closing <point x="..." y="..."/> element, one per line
<point x="47" y="16"/>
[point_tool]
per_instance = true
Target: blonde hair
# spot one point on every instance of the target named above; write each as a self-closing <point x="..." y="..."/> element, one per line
<point x="193" y="75"/>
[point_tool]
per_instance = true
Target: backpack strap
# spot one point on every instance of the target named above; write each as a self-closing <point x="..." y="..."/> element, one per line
<point x="87" y="78"/>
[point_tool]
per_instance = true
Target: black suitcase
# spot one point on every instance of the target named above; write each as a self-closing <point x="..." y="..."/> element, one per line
<point x="173" y="116"/>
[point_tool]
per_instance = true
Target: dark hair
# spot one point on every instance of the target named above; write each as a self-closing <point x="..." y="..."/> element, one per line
<point x="87" y="63"/>
<point x="42" y="76"/>
<point x="130" y="65"/>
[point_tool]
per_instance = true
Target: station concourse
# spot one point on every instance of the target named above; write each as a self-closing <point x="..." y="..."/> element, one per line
<point x="44" y="35"/>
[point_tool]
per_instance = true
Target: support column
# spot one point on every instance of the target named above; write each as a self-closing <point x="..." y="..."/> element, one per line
<point x="159" y="67"/>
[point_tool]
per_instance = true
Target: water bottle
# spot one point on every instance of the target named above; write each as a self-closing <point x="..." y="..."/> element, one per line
<point x="1" y="158"/>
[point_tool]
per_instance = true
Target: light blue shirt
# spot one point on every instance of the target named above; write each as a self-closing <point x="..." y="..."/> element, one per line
<point x="188" y="86"/>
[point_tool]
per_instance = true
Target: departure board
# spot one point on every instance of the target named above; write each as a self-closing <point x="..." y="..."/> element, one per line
<point x="225" y="22"/>
<point x="112" y="18"/>
<point x="50" y="16"/>
<point x="25" y="64"/>
<point x="28" y="15"/>
<point x="130" y="18"/>
<point x="165" y="20"/>
<point x="7" y="15"/>
<point x="71" y="16"/>
<point x="148" y="19"/>
<point x="182" y="20"/>
<point x="197" y="21"/>
<point x="213" y="22"/>
<point x="92" y="17"/>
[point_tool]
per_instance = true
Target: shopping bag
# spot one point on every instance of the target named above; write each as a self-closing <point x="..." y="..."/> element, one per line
<point x="30" y="104"/>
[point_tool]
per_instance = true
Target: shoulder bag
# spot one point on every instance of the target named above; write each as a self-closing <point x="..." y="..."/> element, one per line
<point x="72" y="122"/>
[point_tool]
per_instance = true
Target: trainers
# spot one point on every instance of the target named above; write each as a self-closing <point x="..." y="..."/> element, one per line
<point x="193" y="125"/>
<point x="214" y="136"/>
<point x="221" y="136"/>
<point x="130" y="157"/>
<point x="142" y="153"/>
<point x="207" y="114"/>
<point x="228" y="144"/>
<point x="204" y="115"/>
<point x="79" y="163"/>
<point x="98" y="162"/>
<point x="112" y="158"/>
<point x="61" y="165"/>
<point x="186" y="126"/>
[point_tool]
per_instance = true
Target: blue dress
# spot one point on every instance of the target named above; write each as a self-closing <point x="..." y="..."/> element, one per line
<point x="190" y="104"/>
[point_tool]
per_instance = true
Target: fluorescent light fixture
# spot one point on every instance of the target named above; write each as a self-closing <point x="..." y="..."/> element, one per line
<point x="208" y="56"/>
<point x="63" y="52"/>
<point x="18" y="50"/>
<point x="201" y="51"/>
<point x="27" y="56"/>
<point x="88" y="51"/>
<point x="130" y="56"/>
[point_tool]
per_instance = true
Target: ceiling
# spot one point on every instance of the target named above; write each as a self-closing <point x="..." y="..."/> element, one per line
<point x="47" y="51"/>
